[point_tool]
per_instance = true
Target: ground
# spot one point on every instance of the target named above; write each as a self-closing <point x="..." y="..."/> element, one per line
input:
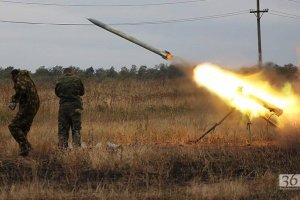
<point x="153" y="120"/>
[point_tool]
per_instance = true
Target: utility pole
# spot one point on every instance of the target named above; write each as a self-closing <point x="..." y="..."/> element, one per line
<point x="258" y="15"/>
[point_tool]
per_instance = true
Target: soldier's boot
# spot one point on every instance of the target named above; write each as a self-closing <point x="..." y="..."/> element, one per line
<point x="24" y="149"/>
<point x="76" y="138"/>
<point x="29" y="145"/>
<point x="21" y="139"/>
<point x="62" y="143"/>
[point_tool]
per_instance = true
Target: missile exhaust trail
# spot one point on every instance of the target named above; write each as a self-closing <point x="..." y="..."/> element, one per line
<point x="164" y="54"/>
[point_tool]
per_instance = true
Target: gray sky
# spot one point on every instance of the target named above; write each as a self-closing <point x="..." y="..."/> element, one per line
<point x="228" y="41"/>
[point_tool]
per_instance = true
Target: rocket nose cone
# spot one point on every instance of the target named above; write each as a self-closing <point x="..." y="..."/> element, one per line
<point x="91" y="20"/>
<point x="97" y="23"/>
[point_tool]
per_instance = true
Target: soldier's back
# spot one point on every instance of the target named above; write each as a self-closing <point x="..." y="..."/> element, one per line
<point x="29" y="96"/>
<point x="69" y="88"/>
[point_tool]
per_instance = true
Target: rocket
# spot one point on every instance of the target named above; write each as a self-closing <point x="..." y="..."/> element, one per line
<point x="164" y="54"/>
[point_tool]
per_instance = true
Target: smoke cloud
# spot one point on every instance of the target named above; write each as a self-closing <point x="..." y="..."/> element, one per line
<point x="289" y="138"/>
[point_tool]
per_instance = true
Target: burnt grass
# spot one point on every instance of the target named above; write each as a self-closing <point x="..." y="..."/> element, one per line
<point x="176" y="165"/>
<point x="153" y="164"/>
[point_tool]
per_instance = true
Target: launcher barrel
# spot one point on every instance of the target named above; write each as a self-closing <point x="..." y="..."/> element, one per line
<point x="277" y="111"/>
<point x="272" y="108"/>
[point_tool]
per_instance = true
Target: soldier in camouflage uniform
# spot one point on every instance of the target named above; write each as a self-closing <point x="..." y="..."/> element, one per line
<point x="27" y="97"/>
<point x="69" y="89"/>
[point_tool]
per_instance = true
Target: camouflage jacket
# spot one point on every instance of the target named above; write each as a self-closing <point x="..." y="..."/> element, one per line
<point x="69" y="89"/>
<point x="26" y="93"/>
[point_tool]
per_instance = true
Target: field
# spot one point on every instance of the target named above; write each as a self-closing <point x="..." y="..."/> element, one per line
<point x="153" y="120"/>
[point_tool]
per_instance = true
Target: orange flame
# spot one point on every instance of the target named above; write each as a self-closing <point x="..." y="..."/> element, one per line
<point x="254" y="97"/>
<point x="169" y="56"/>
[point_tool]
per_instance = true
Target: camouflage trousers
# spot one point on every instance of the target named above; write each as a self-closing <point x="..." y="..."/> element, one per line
<point x="69" y="118"/>
<point x="20" y="125"/>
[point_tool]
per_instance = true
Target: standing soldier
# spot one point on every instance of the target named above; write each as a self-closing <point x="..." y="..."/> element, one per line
<point x="69" y="89"/>
<point x="27" y="97"/>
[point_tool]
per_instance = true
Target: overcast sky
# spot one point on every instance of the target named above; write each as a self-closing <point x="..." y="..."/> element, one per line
<point x="227" y="41"/>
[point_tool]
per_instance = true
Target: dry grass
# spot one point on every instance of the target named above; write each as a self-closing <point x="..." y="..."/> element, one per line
<point x="153" y="120"/>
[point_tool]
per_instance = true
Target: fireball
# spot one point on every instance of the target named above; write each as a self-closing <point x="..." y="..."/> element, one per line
<point x="253" y="97"/>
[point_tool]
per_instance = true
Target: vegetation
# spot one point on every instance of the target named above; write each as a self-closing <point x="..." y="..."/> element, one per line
<point x="143" y="72"/>
<point x="153" y="118"/>
<point x="161" y="71"/>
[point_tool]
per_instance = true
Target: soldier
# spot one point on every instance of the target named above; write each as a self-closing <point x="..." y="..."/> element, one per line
<point x="69" y="89"/>
<point x="27" y="97"/>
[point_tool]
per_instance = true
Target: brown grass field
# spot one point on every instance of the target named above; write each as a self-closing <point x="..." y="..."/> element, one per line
<point x="153" y="120"/>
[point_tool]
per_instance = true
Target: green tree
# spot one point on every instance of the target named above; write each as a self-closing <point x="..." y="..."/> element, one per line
<point x="142" y="71"/>
<point x="89" y="72"/>
<point x="42" y="73"/>
<point x="111" y="73"/>
<point x="5" y="73"/>
<point x="101" y="74"/>
<point x="133" y="71"/>
<point x="124" y="73"/>
<point x="57" y="71"/>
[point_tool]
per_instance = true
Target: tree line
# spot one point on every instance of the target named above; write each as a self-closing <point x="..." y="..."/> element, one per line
<point x="134" y="72"/>
<point x="161" y="71"/>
